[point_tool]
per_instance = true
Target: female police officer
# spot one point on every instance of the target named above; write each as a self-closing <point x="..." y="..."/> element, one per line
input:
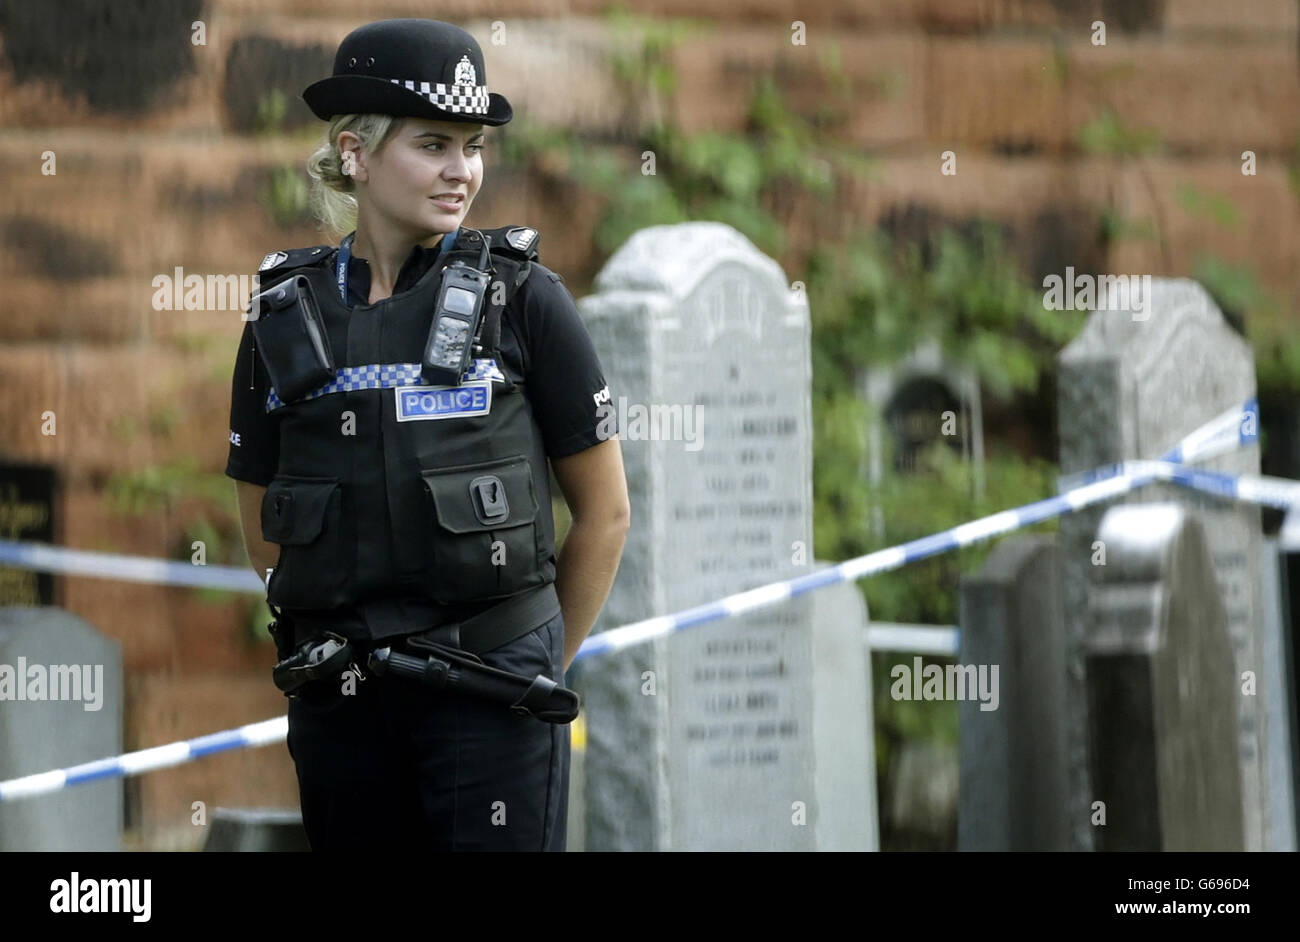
<point x="398" y="479"/>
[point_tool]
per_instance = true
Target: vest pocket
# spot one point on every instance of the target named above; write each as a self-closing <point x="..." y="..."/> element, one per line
<point x="485" y="542"/>
<point x="304" y="516"/>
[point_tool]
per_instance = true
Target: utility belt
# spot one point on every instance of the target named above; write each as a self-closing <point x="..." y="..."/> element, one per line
<point x="444" y="658"/>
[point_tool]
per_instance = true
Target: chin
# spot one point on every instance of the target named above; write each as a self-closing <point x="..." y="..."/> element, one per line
<point x="438" y="221"/>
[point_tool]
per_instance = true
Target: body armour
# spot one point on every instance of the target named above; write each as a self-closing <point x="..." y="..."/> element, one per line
<point x="388" y="487"/>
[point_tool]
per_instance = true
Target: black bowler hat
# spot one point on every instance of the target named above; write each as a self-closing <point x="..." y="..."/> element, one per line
<point x="409" y="68"/>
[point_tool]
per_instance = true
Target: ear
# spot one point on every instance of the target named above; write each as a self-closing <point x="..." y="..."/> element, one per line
<point x="350" y="155"/>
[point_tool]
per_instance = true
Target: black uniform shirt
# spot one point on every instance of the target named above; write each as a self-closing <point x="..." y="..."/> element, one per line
<point x="562" y="379"/>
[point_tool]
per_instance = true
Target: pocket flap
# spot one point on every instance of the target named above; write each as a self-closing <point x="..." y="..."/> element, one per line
<point x="293" y="511"/>
<point x="492" y="496"/>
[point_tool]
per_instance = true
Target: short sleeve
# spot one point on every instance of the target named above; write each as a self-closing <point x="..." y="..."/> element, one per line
<point x="254" y="433"/>
<point x="565" y="382"/>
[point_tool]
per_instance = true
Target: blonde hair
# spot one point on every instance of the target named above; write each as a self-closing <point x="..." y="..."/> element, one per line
<point x="333" y="194"/>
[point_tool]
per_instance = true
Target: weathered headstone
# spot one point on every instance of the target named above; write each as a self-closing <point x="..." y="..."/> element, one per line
<point x="1131" y="385"/>
<point x="1287" y="698"/>
<point x="61" y="701"/>
<point x="1013" y="793"/>
<point x="1161" y="688"/>
<point x="746" y="733"/>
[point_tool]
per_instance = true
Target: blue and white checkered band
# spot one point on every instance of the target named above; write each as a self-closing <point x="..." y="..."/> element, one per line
<point x="470" y="99"/>
<point x="386" y="376"/>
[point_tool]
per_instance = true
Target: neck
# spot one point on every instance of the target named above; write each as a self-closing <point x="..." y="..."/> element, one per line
<point x="386" y="249"/>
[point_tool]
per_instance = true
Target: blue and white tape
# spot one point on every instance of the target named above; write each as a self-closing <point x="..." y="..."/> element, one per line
<point x="1254" y="489"/>
<point x="619" y="638"/>
<point x="883" y="560"/>
<point x="1236" y="428"/>
<point x="41" y="557"/>
<point x="146" y="760"/>
<point x="1258" y="489"/>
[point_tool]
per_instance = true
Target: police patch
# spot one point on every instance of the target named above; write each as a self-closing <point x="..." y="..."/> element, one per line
<point x="272" y="259"/>
<point x="521" y="237"/>
<point x="443" y="402"/>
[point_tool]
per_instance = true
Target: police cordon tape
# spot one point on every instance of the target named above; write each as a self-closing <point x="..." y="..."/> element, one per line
<point x="1277" y="492"/>
<point x="1235" y="428"/>
<point x="147" y="760"/>
<point x="1114" y="481"/>
<point x="41" y="557"/>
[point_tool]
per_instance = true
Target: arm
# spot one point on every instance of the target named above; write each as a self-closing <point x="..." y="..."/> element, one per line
<point x="262" y="554"/>
<point x="595" y="488"/>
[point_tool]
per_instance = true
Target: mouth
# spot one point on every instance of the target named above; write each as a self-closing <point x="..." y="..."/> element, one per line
<point x="452" y="202"/>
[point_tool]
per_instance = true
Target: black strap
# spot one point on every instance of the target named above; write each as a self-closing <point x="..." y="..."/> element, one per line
<point x="502" y="623"/>
<point x="537" y="698"/>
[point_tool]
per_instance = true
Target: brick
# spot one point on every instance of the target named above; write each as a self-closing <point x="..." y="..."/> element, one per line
<point x="994" y="94"/>
<point x="116" y="409"/>
<point x="1206" y="97"/>
<point x="1259" y="16"/>
<point x="1197" y="97"/>
<point x="882" y="100"/>
<point x="468" y="14"/>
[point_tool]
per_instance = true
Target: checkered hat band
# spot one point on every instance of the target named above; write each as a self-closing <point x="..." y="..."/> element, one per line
<point x="470" y="99"/>
<point x="385" y="376"/>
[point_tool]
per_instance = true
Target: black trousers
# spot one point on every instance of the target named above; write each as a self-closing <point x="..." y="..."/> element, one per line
<point x="398" y="765"/>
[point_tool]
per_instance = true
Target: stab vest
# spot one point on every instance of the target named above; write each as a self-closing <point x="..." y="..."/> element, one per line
<point x="390" y="487"/>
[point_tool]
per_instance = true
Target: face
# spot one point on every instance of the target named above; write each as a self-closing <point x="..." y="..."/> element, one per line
<point x="399" y="184"/>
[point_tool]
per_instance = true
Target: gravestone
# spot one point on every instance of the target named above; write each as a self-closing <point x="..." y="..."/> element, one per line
<point x="1012" y="760"/>
<point x="1288" y="540"/>
<point x="1131" y="385"/>
<point x="47" y="653"/>
<point x="1162" y="688"/>
<point x="751" y="733"/>
<point x="1279" y="719"/>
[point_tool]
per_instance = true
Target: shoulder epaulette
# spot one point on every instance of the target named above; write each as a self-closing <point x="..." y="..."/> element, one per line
<point x="519" y="241"/>
<point x="277" y="262"/>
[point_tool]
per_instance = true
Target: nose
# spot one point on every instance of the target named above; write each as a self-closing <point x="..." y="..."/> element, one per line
<point x="457" y="166"/>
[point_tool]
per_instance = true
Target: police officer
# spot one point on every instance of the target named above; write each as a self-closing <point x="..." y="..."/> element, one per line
<point x="395" y="404"/>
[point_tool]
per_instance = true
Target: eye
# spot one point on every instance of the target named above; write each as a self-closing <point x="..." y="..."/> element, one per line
<point x="474" y="147"/>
